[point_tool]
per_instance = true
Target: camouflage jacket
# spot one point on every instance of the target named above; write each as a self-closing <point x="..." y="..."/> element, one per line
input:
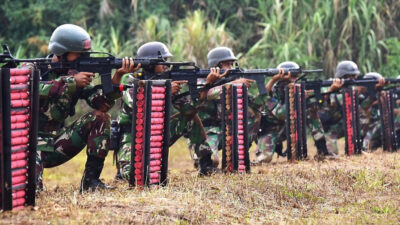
<point x="58" y="98"/>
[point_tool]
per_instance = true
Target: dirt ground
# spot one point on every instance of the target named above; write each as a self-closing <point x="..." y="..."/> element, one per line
<point x="361" y="189"/>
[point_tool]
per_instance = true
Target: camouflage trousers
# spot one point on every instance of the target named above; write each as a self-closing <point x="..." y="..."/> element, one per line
<point x="91" y="130"/>
<point x="212" y="143"/>
<point x="275" y="134"/>
<point x="179" y="126"/>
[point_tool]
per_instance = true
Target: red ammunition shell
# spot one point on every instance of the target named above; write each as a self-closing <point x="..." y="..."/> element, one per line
<point x="18" y="202"/>
<point x="155" y="150"/>
<point x="19" y="79"/>
<point x="156" y="138"/>
<point x="155" y="162"/>
<point x="19" y="141"/>
<point x="157" y="109"/>
<point x="19" y="172"/>
<point x="18" y="194"/>
<point x="19" y="95"/>
<point x="158" y="96"/>
<point x="157" y="120"/>
<point x="157" y="115"/>
<point x="19" y="118"/>
<point x="155" y="144"/>
<point x="18" y="133"/>
<point x="157" y="103"/>
<point x="19" y="103"/>
<point x="155" y="156"/>
<point x="19" y="72"/>
<point x="18" y="179"/>
<point x="154" y="176"/>
<point x="157" y="127"/>
<point x="155" y="168"/>
<point x="18" y="156"/>
<point x="18" y="164"/>
<point x="158" y="90"/>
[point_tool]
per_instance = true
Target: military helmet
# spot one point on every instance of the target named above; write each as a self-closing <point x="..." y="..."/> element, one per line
<point x="346" y="68"/>
<point x="69" y="38"/>
<point x="373" y="75"/>
<point x="398" y="77"/>
<point x="153" y="49"/>
<point x="219" y="54"/>
<point x="288" y="65"/>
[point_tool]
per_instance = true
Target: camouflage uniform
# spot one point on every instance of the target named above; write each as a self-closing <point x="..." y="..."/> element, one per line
<point x="58" y="143"/>
<point x="184" y="121"/>
<point x="273" y="125"/>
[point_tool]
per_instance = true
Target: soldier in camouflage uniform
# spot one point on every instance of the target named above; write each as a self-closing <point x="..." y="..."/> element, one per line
<point x="58" y="143"/>
<point x="332" y="113"/>
<point x="370" y="121"/>
<point x="274" y="115"/>
<point x="220" y="58"/>
<point x="184" y="118"/>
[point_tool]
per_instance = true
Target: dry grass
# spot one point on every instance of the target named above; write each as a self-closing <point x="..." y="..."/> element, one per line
<point x="351" y="190"/>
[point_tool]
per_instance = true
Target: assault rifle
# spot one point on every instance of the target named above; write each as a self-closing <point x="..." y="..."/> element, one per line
<point x="191" y="74"/>
<point x="103" y="65"/>
<point x="368" y="83"/>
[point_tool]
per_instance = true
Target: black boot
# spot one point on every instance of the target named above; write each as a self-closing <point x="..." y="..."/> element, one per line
<point x="90" y="179"/>
<point x="206" y="166"/>
<point x="322" y="149"/>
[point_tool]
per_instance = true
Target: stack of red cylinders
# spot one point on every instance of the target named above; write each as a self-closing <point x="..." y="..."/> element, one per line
<point x="349" y="119"/>
<point x="140" y="106"/>
<point x="20" y="117"/>
<point x="240" y="115"/>
<point x="156" y="133"/>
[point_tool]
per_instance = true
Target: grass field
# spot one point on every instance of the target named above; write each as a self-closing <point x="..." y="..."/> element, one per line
<point x="351" y="190"/>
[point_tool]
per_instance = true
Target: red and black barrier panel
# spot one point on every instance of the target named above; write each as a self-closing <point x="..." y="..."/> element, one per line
<point x="235" y="144"/>
<point x="295" y="124"/>
<point x="19" y="94"/>
<point x="150" y="132"/>
<point x="386" y="103"/>
<point x="351" y="116"/>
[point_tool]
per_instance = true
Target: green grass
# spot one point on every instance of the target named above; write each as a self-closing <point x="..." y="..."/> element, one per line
<point x="351" y="190"/>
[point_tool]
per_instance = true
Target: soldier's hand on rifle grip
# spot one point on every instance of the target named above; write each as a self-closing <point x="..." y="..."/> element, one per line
<point x="214" y="75"/>
<point x="128" y="66"/>
<point x="277" y="77"/>
<point x="336" y="84"/>
<point x="83" y="79"/>
<point x="176" y="86"/>
<point x="381" y="83"/>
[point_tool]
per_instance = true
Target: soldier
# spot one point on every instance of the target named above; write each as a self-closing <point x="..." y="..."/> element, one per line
<point x="58" y="143"/>
<point x="369" y="116"/>
<point x="273" y="122"/>
<point x="219" y="58"/>
<point x="184" y="119"/>
<point x="333" y="113"/>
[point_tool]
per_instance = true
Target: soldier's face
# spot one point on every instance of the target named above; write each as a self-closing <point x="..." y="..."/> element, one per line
<point x="226" y="65"/>
<point x="72" y="56"/>
<point x="349" y="77"/>
<point x="160" y="68"/>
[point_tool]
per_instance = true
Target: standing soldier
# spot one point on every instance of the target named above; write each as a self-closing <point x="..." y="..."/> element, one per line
<point x="58" y="143"/>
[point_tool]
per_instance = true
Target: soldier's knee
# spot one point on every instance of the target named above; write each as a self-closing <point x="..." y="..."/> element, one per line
<point x="101" y="115"/>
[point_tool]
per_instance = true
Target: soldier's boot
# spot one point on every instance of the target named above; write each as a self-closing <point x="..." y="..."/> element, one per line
<point x="323" y="150"/>
<point x="206" y="166"/>
<point x="90" y="179"/>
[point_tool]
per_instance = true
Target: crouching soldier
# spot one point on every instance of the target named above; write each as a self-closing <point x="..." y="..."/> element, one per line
<point x="58" y="143"/>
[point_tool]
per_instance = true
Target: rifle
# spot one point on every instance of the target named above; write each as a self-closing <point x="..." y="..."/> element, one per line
<point x="87" y="63"/>
<point x="191" y="74"/>
<point x="368" y="83"/>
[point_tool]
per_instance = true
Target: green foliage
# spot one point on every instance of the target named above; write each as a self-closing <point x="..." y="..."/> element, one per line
<point x="392" y="58"/>
<point x="262" y="33"/>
